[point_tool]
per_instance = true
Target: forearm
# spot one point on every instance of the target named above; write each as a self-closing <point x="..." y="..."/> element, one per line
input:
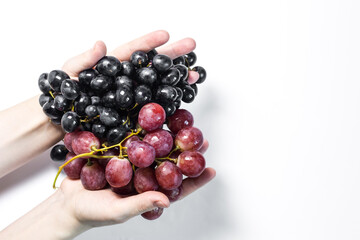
<point x="26" y="132"/>
<point x="50" y="220"/>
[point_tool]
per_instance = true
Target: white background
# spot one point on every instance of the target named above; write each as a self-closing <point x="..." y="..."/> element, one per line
<point x="280" y="107"/>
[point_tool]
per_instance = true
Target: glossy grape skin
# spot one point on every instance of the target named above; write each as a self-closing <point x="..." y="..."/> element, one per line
<point x="70" y="121"/>
<point x="124" y="98"/>
<point x="161" y="140"/>
<point x="95" y="100"/>
<point x="151" y="117"/>
<point x="61" y="103"/>
<point x="44" y="99"/>
<point x="101" y="83"/>
<point x="191" y="163"/>
<point x="122" y="81"/>
<point x="68" y="139"/>
<point x="115" y="135"/>
<point x="110" y="152"/>
<point x="145" y="180"/>
<point x="58" y="152"/>
<point x="168" y="175"/>
<point x="127" y="190"/>
<point x="109" y="117"/>
<point x="162" y="63"/>
<point x="182" y="118"/>
<point x="86" y="126"/>
<point x="44" y="84"/>
<point x="118" y="172"/>
<point x="128" y="69"/>
<point x="128" y="141"/>
<point x="194" y="86"/>
<point x="84" y="142"/>
<point x="180" y="94"/>
<point x="99" y="130"/>
<point x="86" y="76"/>
<point x="173" y="195"/>
<point x="139" y="59"/>
<point x="55" y="78"/>
<point x="91" y="111"/>
<point x="141" y="154"/>
<point x="170" y="108"/>
<point x="190" y="59"/>
<point x="109" y="65"/>
<point x="188" y="94"/>
<point x="142" y="94"/>
<point x="151" y="54"/>
<point x="183" y="70"/>
<point x="153" y="214"/>
<point x="93" y="176"/>
<point x="50" y="110"/>
<point x="70" y="89"/>
<point x="81" y="103"/>
<point x="189" y="138"/>
<point x="146" y="76"/>
<point x="109" y="99"/>
<point x="73" y="169"/>
<point x="170" y="77"/>
<point x="202" y="74"/>
<point x="179" y="60"/>
<point x="165" y="94"/>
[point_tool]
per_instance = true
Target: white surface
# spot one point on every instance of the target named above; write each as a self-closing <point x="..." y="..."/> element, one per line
<point x="280" y="107"/>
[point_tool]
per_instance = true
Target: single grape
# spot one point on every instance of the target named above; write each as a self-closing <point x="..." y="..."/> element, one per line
<point x="73" y="168"/>
<point x="153" y="214"/>
<point x="109" y="117"/>
<point x="162" y="63"/>
<point x="127" y="142"/>
<point x="70" y="121"/>
<point x="68" y="139"/>
<point x="168" y="175"/>
<point x="183" y="72"/>
<point x="58" y="153"/>
<point x="173" y="195"/>
<point x="139" y="59"/>
<point x="44" y="99"/>
<point x="93" y="176"/>
<point x="95" y="100"/>
<point x="179" y="120"/>
<point x="84" y="141"/>
<point x="61" y="103"/>
<point x="70" y="89"/>
<point x="190" y="59"/>
<point x="50" y="110"/>
<point x="122" y="81"/>
<point x="124" y="97"/>
<point x="81" y="103"/>
<point x="127" y="69"/>
<point x="151" y="54"/>
<point x="115" y="135"/>
<point x="170" y="108"/>
<point x="109" y="66"/>
<point x="166" y="94"/>
<point x="179" y="60"/>
<point x="189" y="138"/>
<point x="191" y="163"/>
<point x="146" y="76"/>
<point x="55" y="78"/>
<point x="170" y="77"/>
<point x="143" y="94"/>
<point x="101" y="83"/>
<point x="44" y="84"/>
<point x="188" y="94"/>
<point x="91" y="111"/>
<point x="109" y="99"/>
<point x="145" y="180"/>
<point x="141" y="154"/>
<point x="161" y="140"/>
<point x="151" y="117"/>
<point x="85" y="77"/>
<point x="99" y="130"/>
<point x="202" y="74"/>
<point x="118" y="172"/>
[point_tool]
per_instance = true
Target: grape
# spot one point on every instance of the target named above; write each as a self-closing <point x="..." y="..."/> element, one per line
<point x="86" y="76"/>
<point x="151" y="117"/>
<point x="68" y="139"/>
<point x="109" y="99"/>
<point x="131" y="139"/>
<point x="44" y="84"/>
<point x="168" y="175"/>
<point x="202" y="74"/>
<point x="122" y="81"/>
<point x="153" y="214"/>
<point x="190" y="59"/>
<point x="127" y="69"/>
<point x="55" y="78"/>
<point x="141" y="154"/>
<point x="101" y="83"/>
<point x="118" y="172"/>
<point x="73" y="168"/>
<point x="170" y="109"/>
<point x="50" y="110"/>
<point x="170" y="77"/>
<point x="92" y="176"/>
<point x="173" y="195"/>
<point x="151" y="54"/>
<point x="143" y="94"/>
<point x="139" y="59"/>
<point x="166" y="94"/>
<point x="58" y="152"/>
<point x="183" y="72"/>
<point x="109" y="66"/>
<point x="91" y="111"/>
<point x="129" y="189"/>
<point x="84" y="141"/>
<point x="194" y="86"/>
<point x="189" y="138"/>
<point x="179" y="120"/>
<point x="70" y="89"/>
<point x="124" y="97"/>
<point x="109" y="117"/>
<point x="110" y="152"/>
<point x="145" y="180"/>
<point x="146" y="76"/>
<point x="188" y="94"/>
<point x="161" y="140"/>
<point x="61" y="103"/>
<point x="162" y="63"/>
<point x="99" y="130"/>
<point x="70" y="121"/>
<point x="115" y="135"/>
<point x="179" y="60"/>
<point x="95" y="100"/>
<point x="81" y="103"/>
<point x="191" y="163"/>
<point x="44" y="99"/>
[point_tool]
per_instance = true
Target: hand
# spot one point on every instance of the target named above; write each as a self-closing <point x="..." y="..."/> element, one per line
<point x="104" y="207"/>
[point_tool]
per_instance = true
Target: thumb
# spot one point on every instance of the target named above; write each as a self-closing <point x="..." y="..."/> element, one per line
<point x="85" y="60"/>
<point x="135" y="205"/>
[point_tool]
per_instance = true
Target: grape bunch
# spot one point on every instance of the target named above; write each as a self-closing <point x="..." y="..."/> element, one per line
<point x="124" y="125"/>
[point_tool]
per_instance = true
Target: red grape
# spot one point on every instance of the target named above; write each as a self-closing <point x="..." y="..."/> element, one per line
<point x="141" y="154"/>
<point x="174" y="194"/>
<point x="151" y="117"/>
<point x="161" y="140"/>
<point x="118" y="172"/>
<point x="191" y="163"/>
<point x="145" y="180"/>
<point x="84" y="141"/>
<point x="168" y="175"/>
<point x="73" y="168"/>
<point x="153" y="214"/>
<point x="127" y="142"/>
<point x="93" y="176"/>
<point x="189" y="138"/>
<point x="68" y="139"/>
<point x="180" y="119"/>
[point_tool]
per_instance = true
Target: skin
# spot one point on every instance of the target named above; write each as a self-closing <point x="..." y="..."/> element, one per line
<point x="70" y="210"/>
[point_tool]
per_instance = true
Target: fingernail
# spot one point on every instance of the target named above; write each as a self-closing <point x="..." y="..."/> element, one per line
<point x="160" y="204"/>
<point x="95" y="46"/>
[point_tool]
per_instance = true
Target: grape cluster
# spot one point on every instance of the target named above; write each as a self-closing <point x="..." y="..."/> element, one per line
<point x="124" y="126"/>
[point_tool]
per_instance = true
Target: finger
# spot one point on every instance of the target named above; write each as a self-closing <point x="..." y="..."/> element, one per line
<point x="193" y="77"/>
<point x="178" y="48"/>
<point x="204" y="147"/>
<point x="132" y="206"/>
<point x="85" y="60"/>
<point x="192" y="184"/>
<point x="144" y="43"/>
